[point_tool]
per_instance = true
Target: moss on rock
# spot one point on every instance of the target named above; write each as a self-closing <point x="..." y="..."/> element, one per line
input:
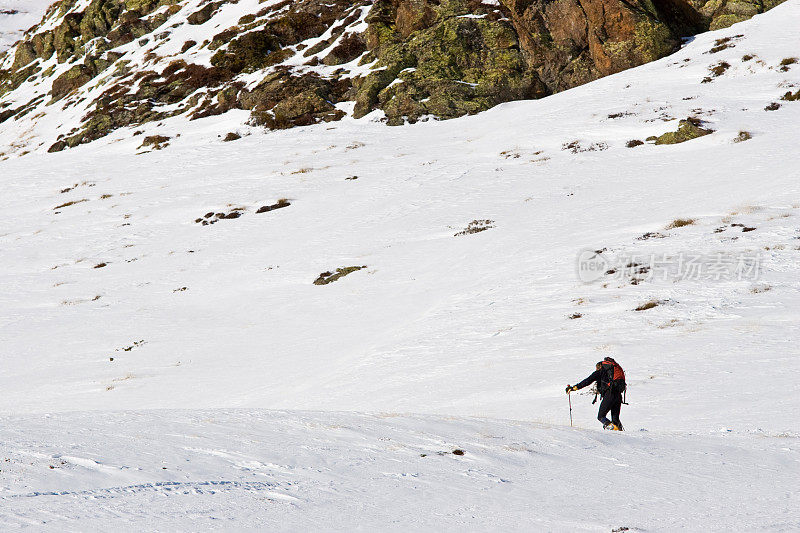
<point x="247" y="53"/>
<point x="688" y="129"/>
<point x="70" y="80"/>
<point x="329" y="277"/>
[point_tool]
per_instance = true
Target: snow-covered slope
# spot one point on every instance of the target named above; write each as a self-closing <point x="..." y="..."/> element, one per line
<point x="16" y="16"/>
<point x="290" y="471"/>
<point x="115" y="297"/>
<point x="93" y="67"/>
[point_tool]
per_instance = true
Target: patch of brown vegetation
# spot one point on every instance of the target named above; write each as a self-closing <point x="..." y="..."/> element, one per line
<point x="789" y="97"/>
<point x="680" y="223"/>
<point x="280" y="204"/>
<point x="648" y="305"/>
<point x="73" y="202"/>
<point x="157" y="142"/>
<point x="476" y="226"/>
<point x="716" y="71"/>
<point x="724" y="43"/>
<point x="576" y="147"/>
<point x="786" y="62"/>
<point x="651" y="235"/>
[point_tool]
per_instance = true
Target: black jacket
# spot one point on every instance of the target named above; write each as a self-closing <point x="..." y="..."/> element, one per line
<point x="604" y="378"/>
<point x="596" y="375"/>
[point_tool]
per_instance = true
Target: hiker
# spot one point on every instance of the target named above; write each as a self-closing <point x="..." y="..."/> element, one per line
<point x="610" y="380"/>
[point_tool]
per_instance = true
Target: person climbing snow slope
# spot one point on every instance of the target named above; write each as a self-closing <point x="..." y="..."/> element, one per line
<point x="610" y="380"/>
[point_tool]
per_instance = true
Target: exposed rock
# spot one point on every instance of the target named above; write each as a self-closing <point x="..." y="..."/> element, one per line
<point x="688" y="129"/>
<point x="329" y="277"/>
<point x="156" y="142"/>
<point x="250" y="52"/>
<point x="203" y="15"/>
<point x="718" y="14"/>
<point x="70" y="80"/>
<point x="284" y="100"/>
<point x="569" y="43"/>
<point x="351" y="46"/>
<point x="447" y="65"/>
<point x="423" y="58"/>
<point x="280" y="204"/>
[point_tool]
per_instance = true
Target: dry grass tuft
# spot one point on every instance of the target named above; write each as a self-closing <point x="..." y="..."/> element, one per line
<point x="680" y="223"/>
<point x="70" y="203"/>
<point x="648" y="305"/>
<point x="476" y="226"/>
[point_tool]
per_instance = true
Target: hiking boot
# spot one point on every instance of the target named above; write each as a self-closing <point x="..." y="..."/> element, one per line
<point x="612" y="427"/>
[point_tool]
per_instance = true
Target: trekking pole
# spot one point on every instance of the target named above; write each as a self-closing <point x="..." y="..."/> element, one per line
<point x="569" y="397"/>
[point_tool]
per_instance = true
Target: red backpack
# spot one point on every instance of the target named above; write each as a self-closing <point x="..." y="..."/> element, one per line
<point x="612" y="377"/>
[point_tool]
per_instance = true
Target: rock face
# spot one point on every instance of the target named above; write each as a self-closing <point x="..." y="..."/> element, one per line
<point x="297" y="62"/>
<point x="569" y="43"/>
<point x="446" y="60"/>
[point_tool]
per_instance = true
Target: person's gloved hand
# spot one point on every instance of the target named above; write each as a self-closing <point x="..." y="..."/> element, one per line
<point x="570" y="388"/>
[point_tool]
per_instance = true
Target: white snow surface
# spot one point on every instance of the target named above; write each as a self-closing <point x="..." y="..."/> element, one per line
<point x="243" y="396"/>
<point x="16" y="16"/>
<point x="299" y="471"/>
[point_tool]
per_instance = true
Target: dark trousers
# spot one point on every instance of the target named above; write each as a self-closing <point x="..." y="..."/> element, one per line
<point x="612" y="401"/>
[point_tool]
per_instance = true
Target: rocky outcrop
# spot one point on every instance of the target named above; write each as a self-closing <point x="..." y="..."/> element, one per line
<point x="443" y="59"/>
<point x="296" y="62"/>
<point x="569" y="43"/>
<point x="457" y="57"/>
<point x="718" y="14"/>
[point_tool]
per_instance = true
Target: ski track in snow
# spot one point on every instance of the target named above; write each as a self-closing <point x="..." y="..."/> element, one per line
<point x="473" y="330"/>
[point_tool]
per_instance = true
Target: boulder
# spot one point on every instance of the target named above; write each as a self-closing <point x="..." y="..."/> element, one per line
<point x="688" y="129"/>
<point x="75" y="77"/>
